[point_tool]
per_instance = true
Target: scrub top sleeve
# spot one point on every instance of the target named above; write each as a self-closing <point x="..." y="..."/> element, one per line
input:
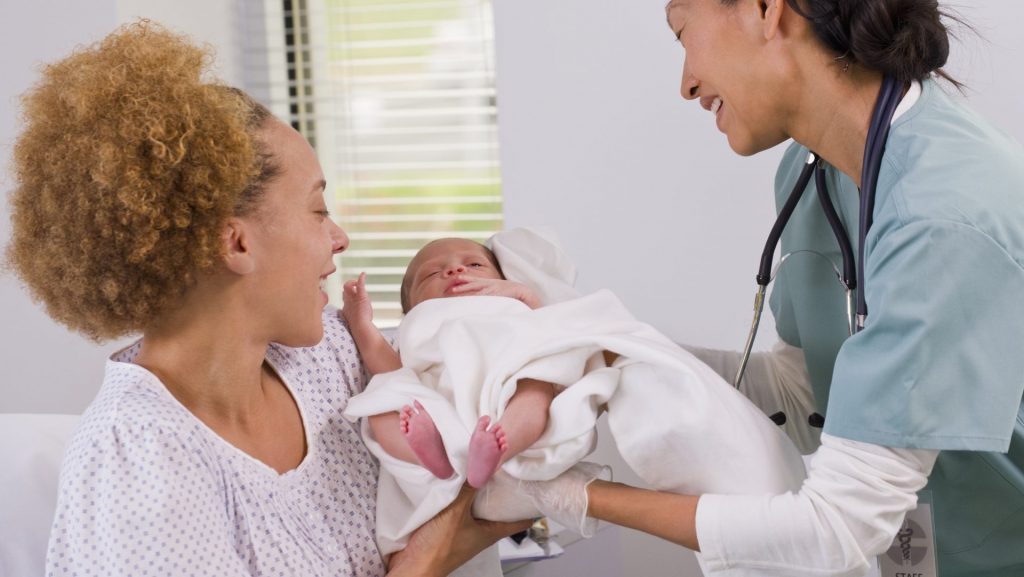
<point x="138" y="500"/>
<point x="939" y="363"/>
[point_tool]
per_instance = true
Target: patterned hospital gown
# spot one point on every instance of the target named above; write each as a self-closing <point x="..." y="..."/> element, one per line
<point x="148" y="490"/>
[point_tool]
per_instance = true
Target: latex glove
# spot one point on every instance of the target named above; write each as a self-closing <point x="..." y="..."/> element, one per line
<point x="564" y="498"/>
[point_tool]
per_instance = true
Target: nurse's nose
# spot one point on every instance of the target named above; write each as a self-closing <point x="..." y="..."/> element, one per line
<point x="690" y="88"/>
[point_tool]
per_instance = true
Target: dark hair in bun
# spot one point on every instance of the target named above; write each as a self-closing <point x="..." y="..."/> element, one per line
<point x="905" y="39"/>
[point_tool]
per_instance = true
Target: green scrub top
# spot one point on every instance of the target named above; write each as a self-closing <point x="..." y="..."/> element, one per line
<point x="940" y="363"/>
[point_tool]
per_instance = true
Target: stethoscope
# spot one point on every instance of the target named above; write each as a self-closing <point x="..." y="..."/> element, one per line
<point x="852" y="274"/>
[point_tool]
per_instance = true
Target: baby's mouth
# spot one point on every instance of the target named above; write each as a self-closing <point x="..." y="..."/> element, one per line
<point x="457" y="282"/>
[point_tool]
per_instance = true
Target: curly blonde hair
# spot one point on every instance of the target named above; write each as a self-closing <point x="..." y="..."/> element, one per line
<point x="127" y="168"/>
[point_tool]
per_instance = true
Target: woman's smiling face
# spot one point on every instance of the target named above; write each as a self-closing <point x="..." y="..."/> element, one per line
<point x="728" y="68"/>
<point x="293" y="241"/>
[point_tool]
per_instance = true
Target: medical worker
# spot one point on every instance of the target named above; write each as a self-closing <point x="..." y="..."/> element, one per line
<point x="921" y="410"/>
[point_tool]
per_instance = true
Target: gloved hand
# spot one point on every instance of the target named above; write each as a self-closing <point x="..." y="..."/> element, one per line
<point x="564" y="498"/>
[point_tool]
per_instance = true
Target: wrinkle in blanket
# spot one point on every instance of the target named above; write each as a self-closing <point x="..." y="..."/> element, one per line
<point x="675" y="422"/>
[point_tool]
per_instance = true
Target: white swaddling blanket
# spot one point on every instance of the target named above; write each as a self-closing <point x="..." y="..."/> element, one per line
<point x="676" y="422"/>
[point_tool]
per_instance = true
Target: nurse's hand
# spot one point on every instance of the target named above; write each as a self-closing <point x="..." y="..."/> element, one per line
<point x="564" y="499"/>
<point x="450" y="539"/>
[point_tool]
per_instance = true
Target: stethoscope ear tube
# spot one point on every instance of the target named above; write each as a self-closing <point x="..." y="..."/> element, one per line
<point x="764" y="272"/>
<point x="849" y="273"/>
<point x="889" y="96"/>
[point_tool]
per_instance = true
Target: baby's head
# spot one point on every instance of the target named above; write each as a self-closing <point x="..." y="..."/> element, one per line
<point x="444" y="264"/>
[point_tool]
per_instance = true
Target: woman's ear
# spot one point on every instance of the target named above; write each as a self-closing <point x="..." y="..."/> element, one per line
<point x="771" y="16"/>
<point x="237" y="247"/>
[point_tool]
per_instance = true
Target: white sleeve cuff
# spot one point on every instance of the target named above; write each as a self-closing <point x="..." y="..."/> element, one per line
<point x="848" y="510"/>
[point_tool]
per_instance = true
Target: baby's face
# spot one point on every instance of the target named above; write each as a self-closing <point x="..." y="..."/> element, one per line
<point x="445" y="264"/>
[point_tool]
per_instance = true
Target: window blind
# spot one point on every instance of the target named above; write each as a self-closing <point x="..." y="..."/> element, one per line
<point x="398" y="98"/>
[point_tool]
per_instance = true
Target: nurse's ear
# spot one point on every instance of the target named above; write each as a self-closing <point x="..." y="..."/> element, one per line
<point x="771" y="16"/>
<point x="236" y="244"/>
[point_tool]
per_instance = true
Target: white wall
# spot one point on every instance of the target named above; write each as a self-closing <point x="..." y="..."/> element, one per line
<point x="43" y="368"/>
<point x="213" y="22"/>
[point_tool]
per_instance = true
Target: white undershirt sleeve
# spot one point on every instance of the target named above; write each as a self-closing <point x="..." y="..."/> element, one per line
<point x="774" y="381"/>
<point x="847" y="511"/>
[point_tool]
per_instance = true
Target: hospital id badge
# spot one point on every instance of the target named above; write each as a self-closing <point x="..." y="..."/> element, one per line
<point x="912" y="553"/>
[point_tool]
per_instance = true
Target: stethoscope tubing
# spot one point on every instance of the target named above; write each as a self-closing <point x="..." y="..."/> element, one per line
<point x="764" y="271"/>
<point x="878" y="133"/>
<point x="848" y="275"/>
<point x="853" y="271"/>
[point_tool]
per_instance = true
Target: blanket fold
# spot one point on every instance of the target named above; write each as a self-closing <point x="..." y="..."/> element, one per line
<point x="675" y="422"/>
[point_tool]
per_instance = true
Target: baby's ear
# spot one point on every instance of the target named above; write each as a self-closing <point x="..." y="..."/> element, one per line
<point x="236" y="245"/>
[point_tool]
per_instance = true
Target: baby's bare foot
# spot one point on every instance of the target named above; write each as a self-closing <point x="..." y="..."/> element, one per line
<point x="485" y="451"/>
<point x="425" y="441"/>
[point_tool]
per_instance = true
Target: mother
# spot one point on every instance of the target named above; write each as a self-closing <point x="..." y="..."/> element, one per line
<point x="151" y="201"/>
<point x="925" y="403"/>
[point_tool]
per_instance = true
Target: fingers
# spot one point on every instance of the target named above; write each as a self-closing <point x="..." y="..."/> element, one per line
<point x="469" y="286"/>
<point x="475" y="535"/>
<point x="481" y="286"/>
<point x="355" y="289"/>
<point x="357" y="286"/>
<point x="499" y="287"/>
<point x="493" y="529"/>
<point x="499" y="529"/>
<point x="463" y="503"/>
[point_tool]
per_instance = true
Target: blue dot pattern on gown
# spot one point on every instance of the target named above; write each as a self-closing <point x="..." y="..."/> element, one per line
<point x="147" y="489"/>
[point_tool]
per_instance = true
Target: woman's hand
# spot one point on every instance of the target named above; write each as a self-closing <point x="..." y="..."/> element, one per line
<point x="450" y="539"/>
<point x="357" y="309"/>
<point x="500" y="288"/>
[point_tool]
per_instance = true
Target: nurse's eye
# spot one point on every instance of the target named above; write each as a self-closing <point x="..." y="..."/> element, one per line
<point x="323" y="213"/>
<point x="679" y="35"/>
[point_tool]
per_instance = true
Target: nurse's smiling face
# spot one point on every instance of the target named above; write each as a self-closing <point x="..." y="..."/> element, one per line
<point x="731" y="68"/>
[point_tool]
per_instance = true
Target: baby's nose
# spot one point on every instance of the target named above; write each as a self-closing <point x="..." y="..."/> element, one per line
<point x="454" y="270"/>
